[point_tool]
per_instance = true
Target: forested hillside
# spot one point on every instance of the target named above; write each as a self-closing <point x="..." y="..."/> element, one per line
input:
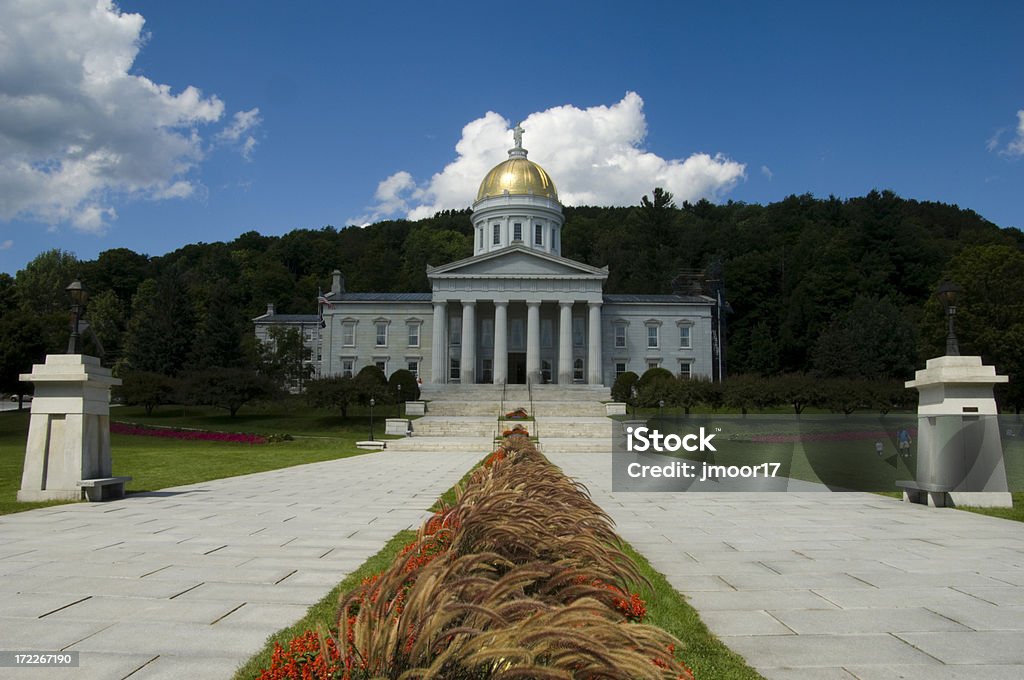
<point x="836" y="287"/>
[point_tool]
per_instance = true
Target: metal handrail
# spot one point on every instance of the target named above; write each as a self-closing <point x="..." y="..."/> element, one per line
<point x="533" y="413"/>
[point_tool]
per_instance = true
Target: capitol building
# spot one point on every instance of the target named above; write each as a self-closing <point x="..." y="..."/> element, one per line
<point x="516" y="310"/>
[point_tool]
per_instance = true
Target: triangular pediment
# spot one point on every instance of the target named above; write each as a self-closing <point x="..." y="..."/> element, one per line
<point x="517" y="262"/>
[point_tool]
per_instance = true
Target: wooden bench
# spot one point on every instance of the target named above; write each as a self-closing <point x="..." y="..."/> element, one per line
<point x="104" y="488"/>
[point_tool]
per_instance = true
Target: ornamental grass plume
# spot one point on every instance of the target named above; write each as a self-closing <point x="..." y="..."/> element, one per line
<point x="522" y="578"/>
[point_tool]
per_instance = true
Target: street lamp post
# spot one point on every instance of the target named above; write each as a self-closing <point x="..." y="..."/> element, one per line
<point x="78" y="294"/>
<point x="947" y="294"/>
<point x="399" y="400"/>
<point x="372" y="402"/>
<point x="661" y="407"/>
<point x="633" y="394"/>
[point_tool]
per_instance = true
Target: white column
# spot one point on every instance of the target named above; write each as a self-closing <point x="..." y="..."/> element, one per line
<point x="467" y="373"/>
<point x="439" y="367"/>
<point x="565" y="343"/>
<point x="500" y="342"/>
<point x="594" y="358"/>
<point x="533" y="342"/>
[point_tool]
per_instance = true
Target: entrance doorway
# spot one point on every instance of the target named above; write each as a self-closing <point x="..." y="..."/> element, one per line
<point x="517" y="368"/>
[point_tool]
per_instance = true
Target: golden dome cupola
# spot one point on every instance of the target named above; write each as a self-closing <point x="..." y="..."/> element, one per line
<point x="517" y="204"/>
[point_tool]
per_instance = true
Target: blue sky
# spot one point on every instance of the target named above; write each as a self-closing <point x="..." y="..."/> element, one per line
<point x="151" y="124"/>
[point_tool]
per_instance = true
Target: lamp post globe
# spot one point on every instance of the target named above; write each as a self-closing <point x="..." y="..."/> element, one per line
<point x="78" y="294"/>
<point x="948" y="292"/>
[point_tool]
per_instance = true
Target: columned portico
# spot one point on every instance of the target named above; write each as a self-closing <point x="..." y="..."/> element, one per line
<point x="467" y="364"/>
<point x="439" y="358"/>
<point x="594" y="344"/>
<point x="533" y="342"/>
<point x="565" y="343"/>
<point x="500" y="342"/>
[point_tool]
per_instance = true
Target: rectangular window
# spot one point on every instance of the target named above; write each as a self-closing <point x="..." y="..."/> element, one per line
<point x="413" y="367"/>
<point x="382" y="365"/>
<point x="487" y="370"/>
<point x="517" y="231"/>
<point x="480" y="238"/>
<point x="497" y="234"/>
<point x="653" y="364"/>
<point x="577" y="370"/>
<point x="652" y="336"/>
<point x="578" y="333"/>
<point x="684" y="337"/>
<point x="554" y="238"/>
<point x="515" y="340"/>
<point x="347" y="367"/>
<point x="487" y="333"/>
<point x="453" y="371"/>
<point x="538" y="235"/>
<point x="545" y="371"/>
<point x="382" y="334"/>
<point x="620" y="336"/>
<point x="546" y="333"/>
<point x="414" y="335"/>
<point x="620" y="368"/>
<point x="684" y="369"/>
<point x="348" y="334"/>
<point x="455" y="331"/>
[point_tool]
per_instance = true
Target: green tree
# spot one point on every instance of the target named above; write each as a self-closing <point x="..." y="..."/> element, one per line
<point x="40" y="289"/>
<point x="222" y="331"/>
<point x="22" y="344"/>
<point x="622" y="388"/>
<point x="335" y="393"/>
<point x="872" y="339"/>
<point x="146" y="389"/>
<point x="371" y="383"/>
<point x="403" y="386"/>
<point x="160" y="333"/>
<point x="285" y="358"/>
<point x="227" y="388"/>
<point x="105" y="314"/>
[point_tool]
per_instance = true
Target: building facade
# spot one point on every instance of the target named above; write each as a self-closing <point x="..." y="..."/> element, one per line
<point x="516" y="310"/>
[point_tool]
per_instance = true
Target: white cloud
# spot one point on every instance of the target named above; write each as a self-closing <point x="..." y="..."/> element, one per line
<point x="7" y="245"/>
<point x="242" y="125"/>
<point x="77" y="128"/>
<point x="767" y="172"/>
<point x="595" y="156"/>
<point x="1016" y="146"/>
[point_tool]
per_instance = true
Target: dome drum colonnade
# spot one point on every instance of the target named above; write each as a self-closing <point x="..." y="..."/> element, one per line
<point x="517" y="206"/>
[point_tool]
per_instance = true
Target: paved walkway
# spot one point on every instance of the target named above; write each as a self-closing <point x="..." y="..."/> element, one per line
<point x="189" y="582"/>
<point x="834" y="586"/>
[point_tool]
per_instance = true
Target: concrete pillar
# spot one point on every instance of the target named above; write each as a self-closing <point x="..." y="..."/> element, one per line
<point x="533" y="342"/>
<point x="69" y="431"/>
<point x="565" y="343"/>
<point x="439" y="369"/>
<point x="500" y="342"/>
<point x="467" y="373"/>
<point x="594" y="344"/>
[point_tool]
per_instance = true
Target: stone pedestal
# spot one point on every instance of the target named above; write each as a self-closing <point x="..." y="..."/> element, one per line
<point x="415" y="408"/>
<point x="396" y="426"/>
<point x="68" y="448"/>
<point x="615" y="408"/>
<point x="959" y="450"/>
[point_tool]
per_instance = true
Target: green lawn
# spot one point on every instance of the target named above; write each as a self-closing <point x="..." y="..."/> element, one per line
<point x="157" y="463"/>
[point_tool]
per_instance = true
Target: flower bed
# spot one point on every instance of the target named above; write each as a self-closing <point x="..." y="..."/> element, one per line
<point x="518" y="414"/>
<point x="522" y="577"/>
<point x="190" y="435"/>
<point x="517" y="431"/>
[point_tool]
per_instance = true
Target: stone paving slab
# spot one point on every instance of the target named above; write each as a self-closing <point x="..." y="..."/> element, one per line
<point x="825" y="586"/>
<point x="189" y="582"/>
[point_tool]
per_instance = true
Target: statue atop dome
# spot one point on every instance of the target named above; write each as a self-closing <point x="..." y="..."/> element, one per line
<point x="517" y="135"/>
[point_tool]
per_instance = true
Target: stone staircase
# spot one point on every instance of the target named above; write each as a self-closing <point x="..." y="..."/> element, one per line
<point x="567" y="418"/>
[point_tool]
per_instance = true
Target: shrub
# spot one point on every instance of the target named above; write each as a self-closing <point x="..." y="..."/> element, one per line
<point x="654" y="385"/>
<point x="146" y="389"/>
<point x="407" y="381"/>
<point x="371" y="383"/>
<point x="334" y="393"/>
<point x="622" y="388"/>
<point x="227" y="388"/>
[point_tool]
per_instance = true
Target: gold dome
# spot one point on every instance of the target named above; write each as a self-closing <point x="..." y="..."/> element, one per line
<point x="517" y="176"/>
